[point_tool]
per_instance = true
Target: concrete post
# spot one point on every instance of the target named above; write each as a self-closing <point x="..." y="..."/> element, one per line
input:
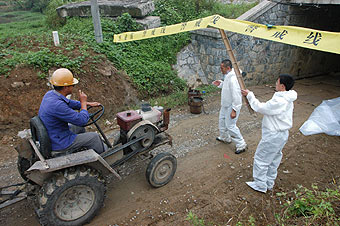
<point x="96" y="21"/>
<point x="56" y="38"/>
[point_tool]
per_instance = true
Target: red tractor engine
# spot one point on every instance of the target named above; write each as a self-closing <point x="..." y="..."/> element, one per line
<point x="147" y="121"/>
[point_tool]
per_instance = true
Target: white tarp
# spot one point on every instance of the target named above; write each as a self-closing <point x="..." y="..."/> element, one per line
<point x="324" y="119"/>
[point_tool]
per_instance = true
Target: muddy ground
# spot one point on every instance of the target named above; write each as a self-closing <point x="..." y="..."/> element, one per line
<point x="210" y="178"/>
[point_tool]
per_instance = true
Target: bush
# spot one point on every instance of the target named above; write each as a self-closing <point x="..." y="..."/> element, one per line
<point x="316" y="207"/>
<point x="147" y="62"/>
<point x="52" y="18"/>
<point x="228" y="10"/>
<point x="37" y="5"/>
<point x="177" y="11"/>
<point x="33" y="5"/>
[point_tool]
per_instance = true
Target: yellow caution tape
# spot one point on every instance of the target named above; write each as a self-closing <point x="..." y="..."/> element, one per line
<point x="297" y="36"/>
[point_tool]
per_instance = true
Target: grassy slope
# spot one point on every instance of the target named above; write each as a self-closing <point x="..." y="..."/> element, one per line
<point x="27" y="41"/>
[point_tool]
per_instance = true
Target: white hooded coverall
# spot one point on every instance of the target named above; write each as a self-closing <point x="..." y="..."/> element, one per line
<point x="277" y="120"/>
<point x="231" y="98"/>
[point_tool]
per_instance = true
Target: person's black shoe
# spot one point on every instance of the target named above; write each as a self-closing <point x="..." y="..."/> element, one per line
<point x="240" y="150"/>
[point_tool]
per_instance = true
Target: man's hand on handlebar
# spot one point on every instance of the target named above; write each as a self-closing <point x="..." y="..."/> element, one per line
<point x="93" y="104"/>
<point x="97" y="114"/>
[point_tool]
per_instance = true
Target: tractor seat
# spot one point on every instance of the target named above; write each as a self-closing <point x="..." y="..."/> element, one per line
<point x="39" y="134"/>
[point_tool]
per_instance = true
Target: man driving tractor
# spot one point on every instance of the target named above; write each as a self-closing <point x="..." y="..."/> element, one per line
<point x="64" y="125"/>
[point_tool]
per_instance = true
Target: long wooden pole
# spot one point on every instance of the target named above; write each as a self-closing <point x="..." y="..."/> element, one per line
<point x="235" y="66"/>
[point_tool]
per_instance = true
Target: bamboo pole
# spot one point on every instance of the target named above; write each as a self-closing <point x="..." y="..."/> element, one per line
<point x="235" y="66"/>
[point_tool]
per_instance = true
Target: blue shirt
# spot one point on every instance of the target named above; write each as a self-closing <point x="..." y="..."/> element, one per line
<point x="56" y="111"/>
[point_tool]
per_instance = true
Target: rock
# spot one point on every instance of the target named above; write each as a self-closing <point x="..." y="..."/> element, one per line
<point x="24" y="134"/>
<point x="150" y="22"/>
<point x="106" y="71"/>
<point x="17" y="84"/>
<point x="107" y="122"/>
<point x="136" y="8"/>
<point x="6" y="139"/>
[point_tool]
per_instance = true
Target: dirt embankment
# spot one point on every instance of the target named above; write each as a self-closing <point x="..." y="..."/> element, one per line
<point x="210" y="179"/>
<point x="22" y="91"/>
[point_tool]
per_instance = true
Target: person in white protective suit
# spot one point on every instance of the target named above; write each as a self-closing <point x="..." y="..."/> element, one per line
<point x="277" y="120"/>
<point x="231" y="103"/>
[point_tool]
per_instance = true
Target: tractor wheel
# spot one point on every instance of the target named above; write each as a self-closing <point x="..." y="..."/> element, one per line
<point x="71" y="197"/>
<point x="161" y="169"/>
<point x="23" y="164"/>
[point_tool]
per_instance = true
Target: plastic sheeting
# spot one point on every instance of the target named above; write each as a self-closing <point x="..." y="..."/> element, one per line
<point x="324" y="119"/>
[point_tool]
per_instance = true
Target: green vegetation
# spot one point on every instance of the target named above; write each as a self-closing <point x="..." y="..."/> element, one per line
<point x="250" y="222"/>
<point x="52" y="18"/>
<point x="177" y="11"/>
<point x="194" y="220"/>
<point x="33" y="5"/>
<point x="302" y="206"/>
<point x="23" y="23"/>
<point x="27" y="40"/>
<point x="147" y="62"/>
<point x="311" y="206"/>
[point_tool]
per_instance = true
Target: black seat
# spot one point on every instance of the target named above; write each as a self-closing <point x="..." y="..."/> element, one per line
<point x="39" y="134"/>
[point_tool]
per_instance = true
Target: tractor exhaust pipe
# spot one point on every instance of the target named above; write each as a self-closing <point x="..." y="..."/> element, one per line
<point x="166" y="119"/>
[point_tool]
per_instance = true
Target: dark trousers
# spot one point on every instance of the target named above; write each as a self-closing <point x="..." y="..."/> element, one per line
<point x="87" y="140"/>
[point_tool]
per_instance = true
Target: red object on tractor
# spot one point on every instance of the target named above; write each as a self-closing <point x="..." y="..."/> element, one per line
<point x="127" y="119"/>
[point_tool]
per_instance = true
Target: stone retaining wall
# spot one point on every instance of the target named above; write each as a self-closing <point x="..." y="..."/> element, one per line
<point x="262" y="60"/>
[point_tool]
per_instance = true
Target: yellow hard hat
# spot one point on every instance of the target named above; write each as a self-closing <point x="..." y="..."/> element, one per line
<point x="63" y="77"/>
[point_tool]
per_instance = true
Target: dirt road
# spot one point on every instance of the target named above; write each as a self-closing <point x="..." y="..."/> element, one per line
<point x="210" y="179"/>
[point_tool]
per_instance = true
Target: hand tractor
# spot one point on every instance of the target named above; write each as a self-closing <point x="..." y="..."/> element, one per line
<point x="71" y="187"/>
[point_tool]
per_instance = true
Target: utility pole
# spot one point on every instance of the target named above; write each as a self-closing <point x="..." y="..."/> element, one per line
<point x="96" y="21"/>
<point x="235" y="66"/>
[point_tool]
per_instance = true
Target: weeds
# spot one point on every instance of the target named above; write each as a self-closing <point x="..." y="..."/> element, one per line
<point x="170" y="101"/>
<point x="194" y="220"/>
<point x="312" y="206"/>
<point x="41" y="75"/>
<point x="302" y="206"/>
<point x="177" y="11"/>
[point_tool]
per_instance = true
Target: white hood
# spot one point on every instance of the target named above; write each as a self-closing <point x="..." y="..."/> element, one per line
<point x="278" y="111"/>
<point x="289" y="96"/>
